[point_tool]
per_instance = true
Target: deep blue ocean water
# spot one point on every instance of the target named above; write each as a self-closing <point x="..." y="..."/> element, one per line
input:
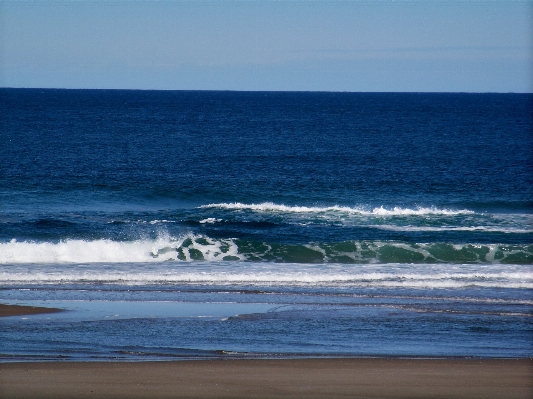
<point x="191" y="224"/>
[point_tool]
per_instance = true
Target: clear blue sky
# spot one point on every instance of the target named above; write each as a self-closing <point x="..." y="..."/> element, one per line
<point x="385" y="45"/>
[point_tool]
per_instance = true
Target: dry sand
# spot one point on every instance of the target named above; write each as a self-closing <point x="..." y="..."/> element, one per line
<point x="304" y="378"/>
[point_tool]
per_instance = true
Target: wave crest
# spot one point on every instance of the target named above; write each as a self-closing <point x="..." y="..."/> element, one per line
<point x="381" y="211"/>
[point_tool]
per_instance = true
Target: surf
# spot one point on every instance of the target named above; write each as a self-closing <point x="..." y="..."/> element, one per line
<point x="377" y="211"/>
<point x="201" y="248"/>
<point x="427" y="276"/>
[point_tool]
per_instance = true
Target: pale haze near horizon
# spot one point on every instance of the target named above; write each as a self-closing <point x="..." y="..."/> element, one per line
<point x="404" y="46"/>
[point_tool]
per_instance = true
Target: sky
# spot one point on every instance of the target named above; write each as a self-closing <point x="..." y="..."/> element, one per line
<point x="344" y="45"/>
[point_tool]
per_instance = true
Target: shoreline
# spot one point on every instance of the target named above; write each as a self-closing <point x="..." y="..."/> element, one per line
<point x="399" y="377"/>
<point x="272" y="378"/>
<point x="23" y="310"/>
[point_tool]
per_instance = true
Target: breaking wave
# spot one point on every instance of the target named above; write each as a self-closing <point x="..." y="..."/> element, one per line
<point x="195" y="248"/>
<point x="381" y="211"/>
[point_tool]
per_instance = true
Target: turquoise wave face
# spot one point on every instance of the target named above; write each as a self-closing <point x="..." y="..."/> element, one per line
<point x="198" y="248"/>
<point x="203" y="248"/>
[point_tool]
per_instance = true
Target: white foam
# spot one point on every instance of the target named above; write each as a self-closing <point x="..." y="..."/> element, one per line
<point x="79" y="251"/>
<point x="157" y="221"/>
<point x="486" y="229"/>
<point x="381" y="211"/>
<point x="211" y="249"/>
<point x="235" y="273"/>
<point x="420" y="211"/>
<point x="107" y="251"/>
<point x="210" y="220"/>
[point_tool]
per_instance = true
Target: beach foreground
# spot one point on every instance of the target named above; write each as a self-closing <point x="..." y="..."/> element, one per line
<point x="296" y="378"/>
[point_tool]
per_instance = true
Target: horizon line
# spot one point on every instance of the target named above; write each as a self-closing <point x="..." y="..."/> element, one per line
<point x="268" y="91"/>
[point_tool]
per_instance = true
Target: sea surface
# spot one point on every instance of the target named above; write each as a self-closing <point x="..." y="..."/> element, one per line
<point x="198" y="224"/>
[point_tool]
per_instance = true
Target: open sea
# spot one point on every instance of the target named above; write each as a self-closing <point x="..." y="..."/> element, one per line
<point x="198" y="224"/>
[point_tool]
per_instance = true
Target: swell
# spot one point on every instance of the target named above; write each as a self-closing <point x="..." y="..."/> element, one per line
<point x="379" y="211"/>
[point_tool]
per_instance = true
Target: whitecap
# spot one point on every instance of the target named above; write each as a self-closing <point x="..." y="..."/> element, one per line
<point x="379" y="211"/>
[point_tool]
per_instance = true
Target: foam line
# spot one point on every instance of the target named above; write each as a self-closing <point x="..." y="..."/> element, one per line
<point x="186" y="248"/>
<point x="485" y="229"/>
<point x="79" y="251"/>
<point x="419" y="276"/>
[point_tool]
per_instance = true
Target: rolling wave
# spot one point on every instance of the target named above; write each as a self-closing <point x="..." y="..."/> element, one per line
<point x="381" y="211"/>
<point x="196" y="248"/>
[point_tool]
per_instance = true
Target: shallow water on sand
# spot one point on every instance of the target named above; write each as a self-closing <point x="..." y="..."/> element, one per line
<point x="387" y="316"/>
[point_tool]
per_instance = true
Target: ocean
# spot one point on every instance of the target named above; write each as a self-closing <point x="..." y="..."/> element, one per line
<point x="210" y="224"/>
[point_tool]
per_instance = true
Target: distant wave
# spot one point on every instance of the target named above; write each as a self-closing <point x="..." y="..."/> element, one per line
<point x="195" y="248"/>
<point x="210" y="220"/>
<point x="485" y="229"/>
<point x="381" y="211"/>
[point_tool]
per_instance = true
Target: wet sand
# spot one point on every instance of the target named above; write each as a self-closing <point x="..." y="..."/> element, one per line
<point x="19" y="310"/>
<point x="295" y="378"/>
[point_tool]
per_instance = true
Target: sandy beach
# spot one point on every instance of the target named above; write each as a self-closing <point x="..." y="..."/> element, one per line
<point x="297" y="378"/>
